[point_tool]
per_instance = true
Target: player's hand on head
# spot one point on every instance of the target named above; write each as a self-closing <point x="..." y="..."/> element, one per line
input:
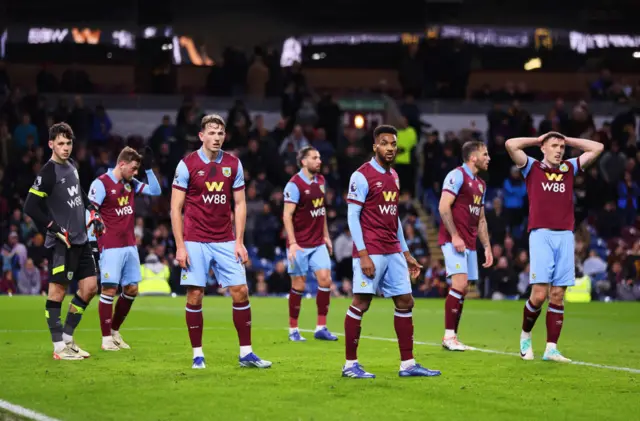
<point x="458" y="244"/>
<point x="367" y="266"/>
<point x="241" y="253"/>
<point x="183" y="258"/>
<point x="147" y="158"/>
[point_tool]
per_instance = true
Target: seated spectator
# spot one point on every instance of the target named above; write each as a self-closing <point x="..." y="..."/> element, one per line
<point x="29" y="279"/>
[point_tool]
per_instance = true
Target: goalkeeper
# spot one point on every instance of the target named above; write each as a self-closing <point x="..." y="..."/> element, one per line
<point x="57" y="203"/>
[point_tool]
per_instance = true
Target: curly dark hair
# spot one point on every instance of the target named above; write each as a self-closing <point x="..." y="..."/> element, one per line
<point x="61" y="129"/>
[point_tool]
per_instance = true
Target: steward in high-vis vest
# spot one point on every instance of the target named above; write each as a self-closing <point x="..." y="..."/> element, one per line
<point x="580" y="292"/>
<point x="155" y="277"/>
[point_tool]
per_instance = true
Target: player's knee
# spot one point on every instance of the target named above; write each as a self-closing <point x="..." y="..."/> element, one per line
<point x="131" y="290"/>
<point x="404" y="302"/>
<point x="362" y="303"/>
<point x="324" y="278"/>
<point x="538" y="296"/>
<point x="87" y="289"/>
<point x="109" y="290"/>
<point x="556" y="296"/>
<point x="195" y="295"/>
<point x="56" y="292"/>
<point x="298" y="283"/>
<point x="460" y="282"/>
<point x="239" y="293"/>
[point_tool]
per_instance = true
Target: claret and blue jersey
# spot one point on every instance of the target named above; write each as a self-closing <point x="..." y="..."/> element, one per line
<point x="208" y="233"/>
<point x="308" y="223"/>
<point x="375" y="226"/>
<point x="119" y="260"/>
<point x="551" y="221"/>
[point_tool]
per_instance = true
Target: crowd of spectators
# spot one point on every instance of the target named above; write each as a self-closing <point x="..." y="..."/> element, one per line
<point x="606" y="195"/>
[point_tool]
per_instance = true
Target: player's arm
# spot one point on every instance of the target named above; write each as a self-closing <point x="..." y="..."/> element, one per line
<point x="403" y="241"/>
<point x="591" y="150"/>
<point x="450" y="188"/>
<point x="483" y="230"/>
<point x="358" y="190"/>
<point x="515" y="148"/>
<point x="93" y="202"/>
<point x="178" y="195"/>
<point x="35" y="204"/>
<point x="240" y="201"/>
<point x="291" y="199"/>
<point x="151" y="189"/>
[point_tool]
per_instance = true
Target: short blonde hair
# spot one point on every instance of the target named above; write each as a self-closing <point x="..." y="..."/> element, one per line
<point x="212" y="119"/>
<point x="128" y="155"/>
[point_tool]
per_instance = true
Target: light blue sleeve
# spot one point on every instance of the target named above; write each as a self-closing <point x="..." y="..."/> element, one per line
<point x="403" y="241"/>
<point x="453" y="181"/>
<point x="151" y="189"/>
<point x="238" y="183"/>
<point x="181" y="178"/>
<point x="358" y="189"/>
<point x="291" y="193"/>
<point x="97" y="192"/>
<point x="353" y="219"/>
<point x="576" y="165"/>
<point x="484" y="195"/>
<point x="525" y="170"/>
<point x="90" y="232"/>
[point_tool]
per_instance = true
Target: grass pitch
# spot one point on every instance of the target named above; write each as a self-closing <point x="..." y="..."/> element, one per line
<point x="154" y="380"/>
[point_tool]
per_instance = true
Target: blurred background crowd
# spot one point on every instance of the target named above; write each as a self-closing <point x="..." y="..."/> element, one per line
<point x="275" y="108"/>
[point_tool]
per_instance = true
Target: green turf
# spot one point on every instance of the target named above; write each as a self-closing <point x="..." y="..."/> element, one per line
<point x="154" y="381"/>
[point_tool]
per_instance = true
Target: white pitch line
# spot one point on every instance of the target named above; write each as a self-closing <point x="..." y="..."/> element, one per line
<point x="492" y="351"/>
<point x="24" y="412"/>
<point x="374" y="338"/>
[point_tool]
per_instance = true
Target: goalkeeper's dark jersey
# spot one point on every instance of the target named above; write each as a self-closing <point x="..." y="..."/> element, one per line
<point x="59" y="186"/>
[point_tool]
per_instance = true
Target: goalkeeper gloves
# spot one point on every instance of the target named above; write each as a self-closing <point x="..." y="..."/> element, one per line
<point x="96" y="220"/>
<point x="60" y="233"/>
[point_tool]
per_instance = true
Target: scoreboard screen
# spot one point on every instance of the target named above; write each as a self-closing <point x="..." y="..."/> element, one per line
<point x="363" y="114"/>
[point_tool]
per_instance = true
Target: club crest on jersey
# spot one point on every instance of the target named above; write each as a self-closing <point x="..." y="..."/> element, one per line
<point x="322" y="188"/>
<point x="69" y="275"/>
<point x="481" y="188"/>
<point x="106" y="275"/>
<point x="363" y="284"/>
<point x="127" y="187"/>
<point x="226" y="171"/>
<point x="564" y="167"/>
